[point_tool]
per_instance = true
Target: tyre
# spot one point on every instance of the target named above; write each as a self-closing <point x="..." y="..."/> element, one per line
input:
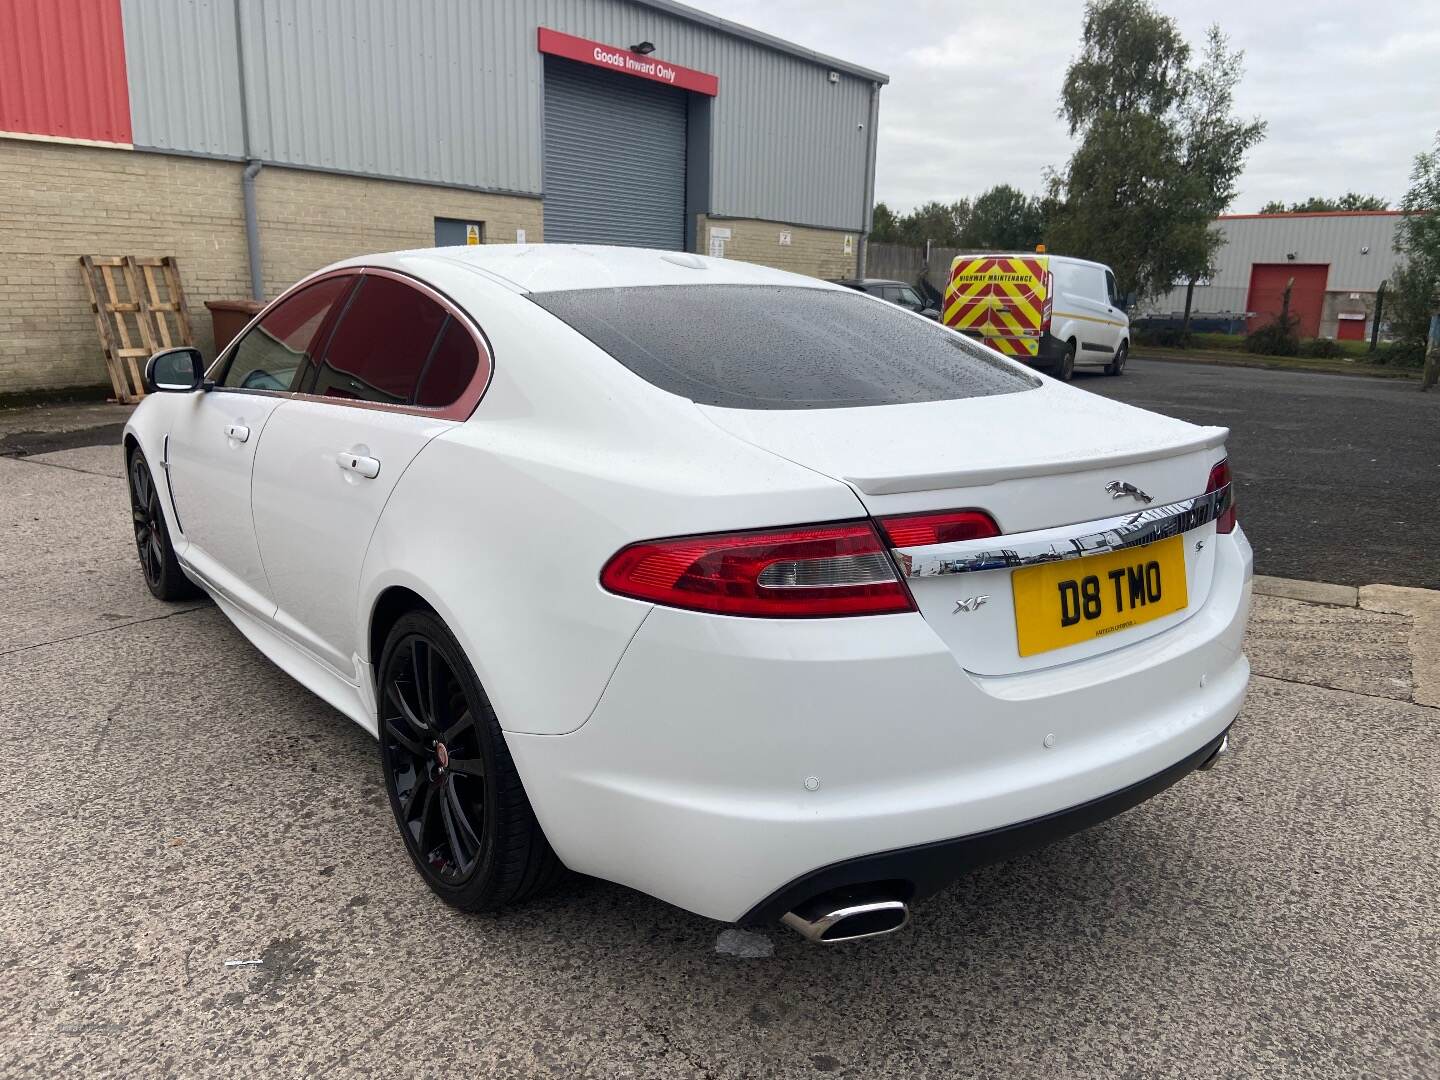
<point x="162" y="570"/>
<point x="1066" y="371"/>
<point x="458" y="801"/>
<point x="1117" y="366"/>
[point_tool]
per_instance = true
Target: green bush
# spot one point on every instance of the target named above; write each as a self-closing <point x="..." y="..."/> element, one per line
<point x="1322" y="349"/>
<point x="1401" y="354"/>
<point x="1164" y="337"/>
<point x="1275" y="339"/>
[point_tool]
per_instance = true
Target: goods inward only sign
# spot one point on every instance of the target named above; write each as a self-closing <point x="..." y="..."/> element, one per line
<point x="598" y="54"/>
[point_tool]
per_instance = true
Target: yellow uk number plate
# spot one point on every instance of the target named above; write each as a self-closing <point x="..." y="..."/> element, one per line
<point x="1065" y="603"/>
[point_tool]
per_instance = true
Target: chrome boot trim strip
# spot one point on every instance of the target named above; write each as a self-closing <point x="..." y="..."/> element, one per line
<point x="1069" y="542"/>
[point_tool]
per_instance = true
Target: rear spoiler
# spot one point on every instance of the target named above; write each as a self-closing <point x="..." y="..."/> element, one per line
<point x="1205" y="438"/>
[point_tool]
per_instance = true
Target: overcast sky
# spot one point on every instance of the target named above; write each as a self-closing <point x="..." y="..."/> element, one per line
<point x="1351" y="91"/>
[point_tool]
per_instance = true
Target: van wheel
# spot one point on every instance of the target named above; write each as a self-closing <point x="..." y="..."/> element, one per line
<point x="1066" y="371"/>
<point x="1117" y="366"/>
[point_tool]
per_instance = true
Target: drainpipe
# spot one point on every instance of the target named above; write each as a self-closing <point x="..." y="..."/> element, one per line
<point x="252" y="229"/>
<point x="252" y="165"/>
<point x="862" y="255"/>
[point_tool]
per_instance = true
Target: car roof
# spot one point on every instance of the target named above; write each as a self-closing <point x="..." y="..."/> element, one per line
<point x="1029" y="255"/>
<point x="537" y="268"/>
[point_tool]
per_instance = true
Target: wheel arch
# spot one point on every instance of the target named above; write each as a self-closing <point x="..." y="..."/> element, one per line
<point x="390" y="605"/>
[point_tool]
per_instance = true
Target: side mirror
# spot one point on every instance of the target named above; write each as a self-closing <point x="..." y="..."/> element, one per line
<point x="930" y="313"/>
<point x="175" y="371"/>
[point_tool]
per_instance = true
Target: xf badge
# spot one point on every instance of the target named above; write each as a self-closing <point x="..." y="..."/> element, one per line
<point x="1118" y="489"/>
<point x="970" y="603"/>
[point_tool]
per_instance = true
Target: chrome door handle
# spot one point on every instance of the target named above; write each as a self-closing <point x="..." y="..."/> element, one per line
<point x="238" y="432"/>
<point x="367" y="467"/>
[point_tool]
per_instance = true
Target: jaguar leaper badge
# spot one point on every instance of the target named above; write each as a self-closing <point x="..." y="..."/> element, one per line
<point x="1118" y="489"/>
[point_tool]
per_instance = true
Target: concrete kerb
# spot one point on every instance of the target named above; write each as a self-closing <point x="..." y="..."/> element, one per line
<point x="1422" y="605"/>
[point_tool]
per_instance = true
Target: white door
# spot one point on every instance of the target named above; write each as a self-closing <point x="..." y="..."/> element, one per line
<point x="210" y="454"/>
<point x="332" y="457"/>
<point x="213" y="441"/>
<point x="1085" y="299"/>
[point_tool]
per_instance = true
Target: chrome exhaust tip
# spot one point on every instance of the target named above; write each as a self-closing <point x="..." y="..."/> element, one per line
<point x="835" y="917"/>
<point x="1222" y="749"/>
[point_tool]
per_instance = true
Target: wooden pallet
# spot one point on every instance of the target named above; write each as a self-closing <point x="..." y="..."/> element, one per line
<point x="139" y="307"/>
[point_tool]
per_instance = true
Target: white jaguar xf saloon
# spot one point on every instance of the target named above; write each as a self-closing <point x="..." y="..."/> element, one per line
<point x="752" y="592"/>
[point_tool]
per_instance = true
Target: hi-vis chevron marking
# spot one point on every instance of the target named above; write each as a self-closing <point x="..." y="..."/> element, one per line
<point x="1002" y="299"/>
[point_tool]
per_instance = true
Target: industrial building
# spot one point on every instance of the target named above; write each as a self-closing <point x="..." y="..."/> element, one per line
<point x="255" y="141"/>
<point x="1333" y="263"/>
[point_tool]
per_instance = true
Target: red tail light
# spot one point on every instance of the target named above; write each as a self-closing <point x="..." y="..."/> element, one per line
<point x="938" y="527"/>
<point x="1220" y="478"/>
<point x="806" y="572"/>
<point x="1048" y="307"/>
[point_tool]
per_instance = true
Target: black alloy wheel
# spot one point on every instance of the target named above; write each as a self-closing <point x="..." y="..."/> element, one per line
<point x="163" y="575"/>
<point x="457" y="798"/>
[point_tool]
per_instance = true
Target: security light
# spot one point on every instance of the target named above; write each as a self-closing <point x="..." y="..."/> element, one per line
<point x="645" y="48"/>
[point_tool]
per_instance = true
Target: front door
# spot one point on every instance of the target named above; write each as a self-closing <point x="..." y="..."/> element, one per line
<point x="208" y="458"/>
<point x="213" y="441"/>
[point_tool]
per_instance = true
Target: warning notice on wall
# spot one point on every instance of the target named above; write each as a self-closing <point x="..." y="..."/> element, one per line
<point x="472" y="234"/>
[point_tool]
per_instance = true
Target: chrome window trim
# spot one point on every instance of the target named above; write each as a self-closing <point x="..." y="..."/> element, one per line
<point x="1071" y="542"/>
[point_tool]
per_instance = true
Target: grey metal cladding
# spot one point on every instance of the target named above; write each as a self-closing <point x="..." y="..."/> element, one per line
<point x="1359" y="248"/>
<point x="451" y="92"/>
<point x="184" y="76"/>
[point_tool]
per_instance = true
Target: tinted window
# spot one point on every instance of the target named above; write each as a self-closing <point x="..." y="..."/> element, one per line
<point x="452" y="365"/>
<point x="381" y="345"/>
<point x="910" y="298"/>
<point x="781" y="347"/>
<point x="269" y="356"/>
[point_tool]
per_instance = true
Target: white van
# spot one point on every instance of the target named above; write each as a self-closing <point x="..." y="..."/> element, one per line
<point x="1051" y="310"/>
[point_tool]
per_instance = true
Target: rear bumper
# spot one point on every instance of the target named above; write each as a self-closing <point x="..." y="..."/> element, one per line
<point x="1051" y="352"/>
<point x="927" y="868"/>
<point x="730" y="758"/>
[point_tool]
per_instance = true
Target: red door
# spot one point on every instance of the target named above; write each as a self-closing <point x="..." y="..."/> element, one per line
<point x="1350" y="328"/>
<point x="1307" y="295"/>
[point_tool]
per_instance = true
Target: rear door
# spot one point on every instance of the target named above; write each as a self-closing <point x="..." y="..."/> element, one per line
<point x="402" y="366"/>
<point x="1000" y="299"/>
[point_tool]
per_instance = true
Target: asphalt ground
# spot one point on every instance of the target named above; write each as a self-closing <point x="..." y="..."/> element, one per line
<point x="1339" y="476"/>
<point x="174" y="802"/>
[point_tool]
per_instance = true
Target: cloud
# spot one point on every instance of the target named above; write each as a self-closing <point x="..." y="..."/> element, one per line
<point x="1351" y="93"/>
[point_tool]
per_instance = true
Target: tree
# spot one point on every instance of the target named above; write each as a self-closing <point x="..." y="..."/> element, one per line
<point x="885" y="225"/>
<point x="940" y="223"/>
<point x="1415" y="282"/>
<point x="1320" y="204"/>
<point x="1004" y="219"/>
<point x="1160" y="147"/>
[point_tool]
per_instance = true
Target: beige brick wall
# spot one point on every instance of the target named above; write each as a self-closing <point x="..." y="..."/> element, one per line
<point x="816" y="252"/>
<point x="309" y="219"/>
<point x="58" y="202"/>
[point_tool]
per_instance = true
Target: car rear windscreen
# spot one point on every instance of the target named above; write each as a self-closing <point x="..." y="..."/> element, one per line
<point x="782" y="347"/>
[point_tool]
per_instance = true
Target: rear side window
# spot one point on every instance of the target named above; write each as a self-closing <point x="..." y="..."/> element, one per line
<point x="782" y="347"/>
<point x="451" y="366"/>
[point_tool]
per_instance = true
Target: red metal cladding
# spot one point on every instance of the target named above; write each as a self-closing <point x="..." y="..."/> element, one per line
<point x="62" y="70"/>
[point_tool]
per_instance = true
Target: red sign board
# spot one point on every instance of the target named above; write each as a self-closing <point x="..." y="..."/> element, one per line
<point x="626" y="62"/>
